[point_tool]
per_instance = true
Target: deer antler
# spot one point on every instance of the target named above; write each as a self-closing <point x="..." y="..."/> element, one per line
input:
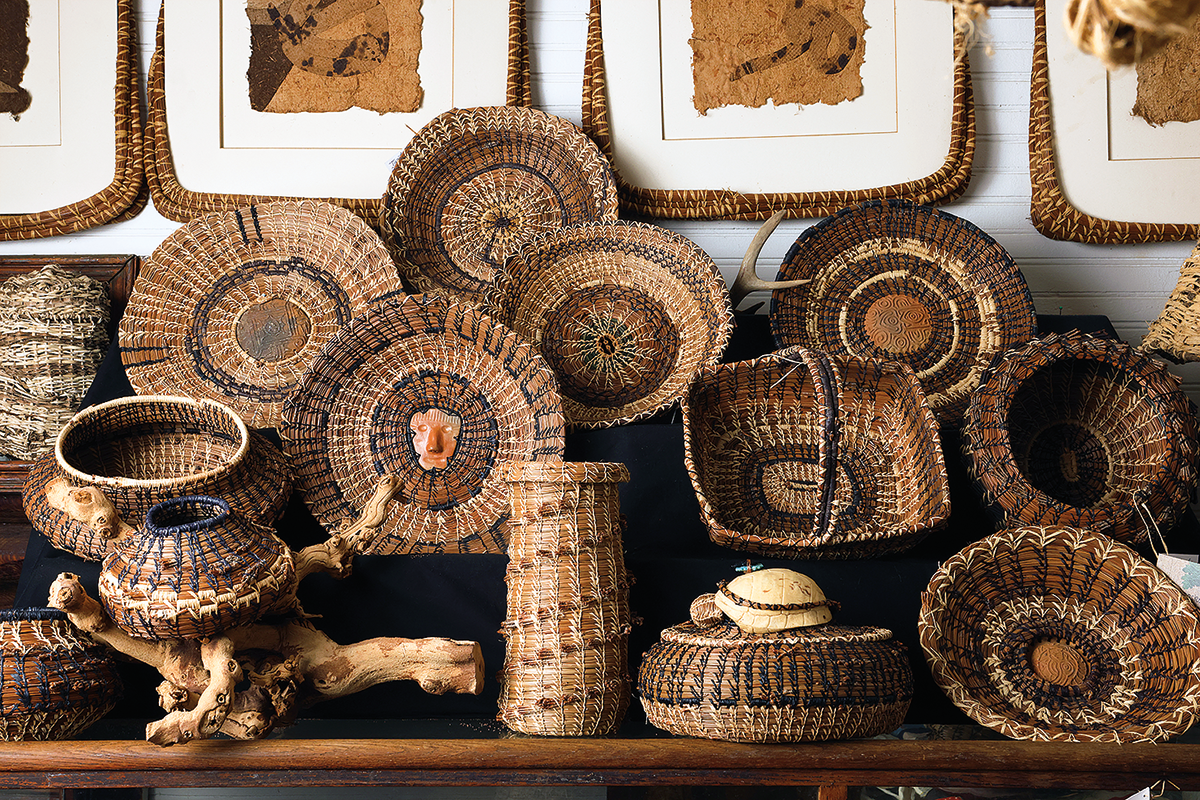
<point x="747" y="278"/>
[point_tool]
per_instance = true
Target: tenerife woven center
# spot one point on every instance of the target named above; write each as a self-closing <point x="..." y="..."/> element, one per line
<point x="1070" y="463"/>
<point x="487" y="216"/>
<point x="610" y="345"/>
<point x="898" y="323"/>
<point x="273" y="330"/>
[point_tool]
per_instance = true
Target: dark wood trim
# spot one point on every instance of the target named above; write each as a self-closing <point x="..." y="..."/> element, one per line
<point x="117" y="272"/>
<point x="552" y="761"/>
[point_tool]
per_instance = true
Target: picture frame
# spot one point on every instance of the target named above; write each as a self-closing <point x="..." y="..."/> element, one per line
<point x="1086" y="184"/>
<point x="176" y="195"/>
<point x="70" y="160"/>
<point x="117" y="273"/>
<point x="615" y="100"/>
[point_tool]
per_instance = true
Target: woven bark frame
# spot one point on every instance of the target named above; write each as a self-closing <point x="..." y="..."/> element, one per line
<point x="1051" y="211"/>
<point x="177" y="203"/>
<point x="943" y="186"/>
<point x="127" y="194"/>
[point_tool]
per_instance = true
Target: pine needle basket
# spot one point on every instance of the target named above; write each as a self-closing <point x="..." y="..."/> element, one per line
<point x="195" y="568"/>
<point x="476" y="182"/>
<point x="799" y="454"/>
<point x="902" y="282"/>
<point x="566" y="667"/>
<point x="806" y="684"/>
<point x="1175" y="334"/>
<point x="1082" y="431"/>
<point x="142" y="450"/>
<point x="625" y="313"/>
<point x="351" y="422"/>
<point x="234" y="305"/>
<point x="1063" y="634"/>
<point x="53" y="336"/>
<point x="55" y="681"/>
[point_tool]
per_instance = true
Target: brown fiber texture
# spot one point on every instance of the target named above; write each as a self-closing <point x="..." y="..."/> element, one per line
<point x="1064" y="634"/>
<point x="625" y="313"/>
<point x="799" y="454"/>
<point x="1175" y="334"/>
<point x="14" y="56"/>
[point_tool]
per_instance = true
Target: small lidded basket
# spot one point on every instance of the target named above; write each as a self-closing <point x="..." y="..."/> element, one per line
<point x="760" y="661"/>
<point x="54" y="680"/>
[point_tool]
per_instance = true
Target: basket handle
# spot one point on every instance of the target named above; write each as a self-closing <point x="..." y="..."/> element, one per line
<point x="826" y="391"/>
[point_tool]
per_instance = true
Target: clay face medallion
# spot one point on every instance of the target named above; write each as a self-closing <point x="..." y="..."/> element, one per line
<point x="434" y="437"/>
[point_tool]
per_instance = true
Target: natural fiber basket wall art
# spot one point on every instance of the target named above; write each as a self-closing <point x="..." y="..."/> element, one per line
<point x="55" y="680"/>
<point x="803" y="679"/>
<point x="897" y="281"/>
<point x="233" y="306"/>
<point x="1082" y="431"/>
<point x="566" y="631"/>
<point x="194" y="569"/>
<point x="625" y="313"/>
<point x="475" y="183"/>
<point x="802" y="455"/>
<point x="127" y="194"/>
<point x="177" y="202"/>
<point x="437" y="393"/>
<point x="1175" y="334"/>
<point x="142" y="450"/>
<point x="1065" y="634"/>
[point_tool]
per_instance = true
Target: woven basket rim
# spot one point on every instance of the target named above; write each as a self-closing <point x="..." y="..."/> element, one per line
<point x="239" y="425"/>
<point x="563" y="471"/>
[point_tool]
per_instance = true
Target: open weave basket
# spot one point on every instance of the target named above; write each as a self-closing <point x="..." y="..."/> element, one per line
<point x="902" y="282"/>
<point x="803" y="455"/>
<point x="476" y="182"/>
<point x="1082" y="431"/>
<point x="1062" y="633"/>
<point x="53" y="336"/>
<point x="625" y="313"/>
<point x="234" y="305"/>
<point x="349" y="423"/>
<point x="566" y="667"/>
<point x="55" y="681"/>
<point x="195" y="569"/>
<point x="142" y="450"/>
<point x="1175" y="334"/>
<point x="812" y="683"/>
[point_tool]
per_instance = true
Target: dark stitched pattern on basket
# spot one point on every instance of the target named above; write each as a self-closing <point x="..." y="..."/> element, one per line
<point x="54" y="682"/>
<point x="1061" y="633"/>
<point x="626" y="313"/>
<point x="748" y="603"/>
<point x="474" y="183"/>
<point x="897" y="281"/>
<point x="349" y="422"/>
<point x="1082" y="431"/>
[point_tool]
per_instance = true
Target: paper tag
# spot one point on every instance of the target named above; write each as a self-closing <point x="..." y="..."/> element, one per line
<point x="1144" y="794"/>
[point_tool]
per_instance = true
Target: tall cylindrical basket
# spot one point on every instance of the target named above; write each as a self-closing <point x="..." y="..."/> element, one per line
<point x="566" y="666"/>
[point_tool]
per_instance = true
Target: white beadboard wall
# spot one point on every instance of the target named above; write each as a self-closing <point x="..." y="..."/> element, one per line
<point x="1128" y="283"/>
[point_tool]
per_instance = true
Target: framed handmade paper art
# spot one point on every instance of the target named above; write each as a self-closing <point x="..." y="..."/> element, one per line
<point x="902" y="127"/>
<point x="71" y="155"/>
<point x="248" y="100"/>
<point x="1099" y="173"/>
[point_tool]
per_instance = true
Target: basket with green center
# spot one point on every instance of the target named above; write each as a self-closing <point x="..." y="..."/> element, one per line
<point x="1065" y="634"/>
<point x="804" y="455"/>
<point x="437" y="393"/>
<point x="476" y="182"/>
<point x="625" y="313"/>
<point x="1082" y="431"/>
<point x="892" y="280"/>
<point x="234" y="305"/>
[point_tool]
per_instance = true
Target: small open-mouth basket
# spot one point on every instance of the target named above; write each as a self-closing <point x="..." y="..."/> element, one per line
<point x="625" y="313"/>
<point x="892" y="280"/>
<point x="1175" y="334"/>
<point x="234" y="305"/>
<point x="55" y="681"/>
<point x="1082" y="431"/>
<point x="194" y="569"/>
<point x="351" y="422"/>
<point x="1065" y="634"/>
<point x="803" y="455"/>
<point x="143" y="450"/>
<point x="476" y="182"/>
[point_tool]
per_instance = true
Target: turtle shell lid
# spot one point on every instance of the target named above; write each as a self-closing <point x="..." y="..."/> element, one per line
<point x="727" y="634"/>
